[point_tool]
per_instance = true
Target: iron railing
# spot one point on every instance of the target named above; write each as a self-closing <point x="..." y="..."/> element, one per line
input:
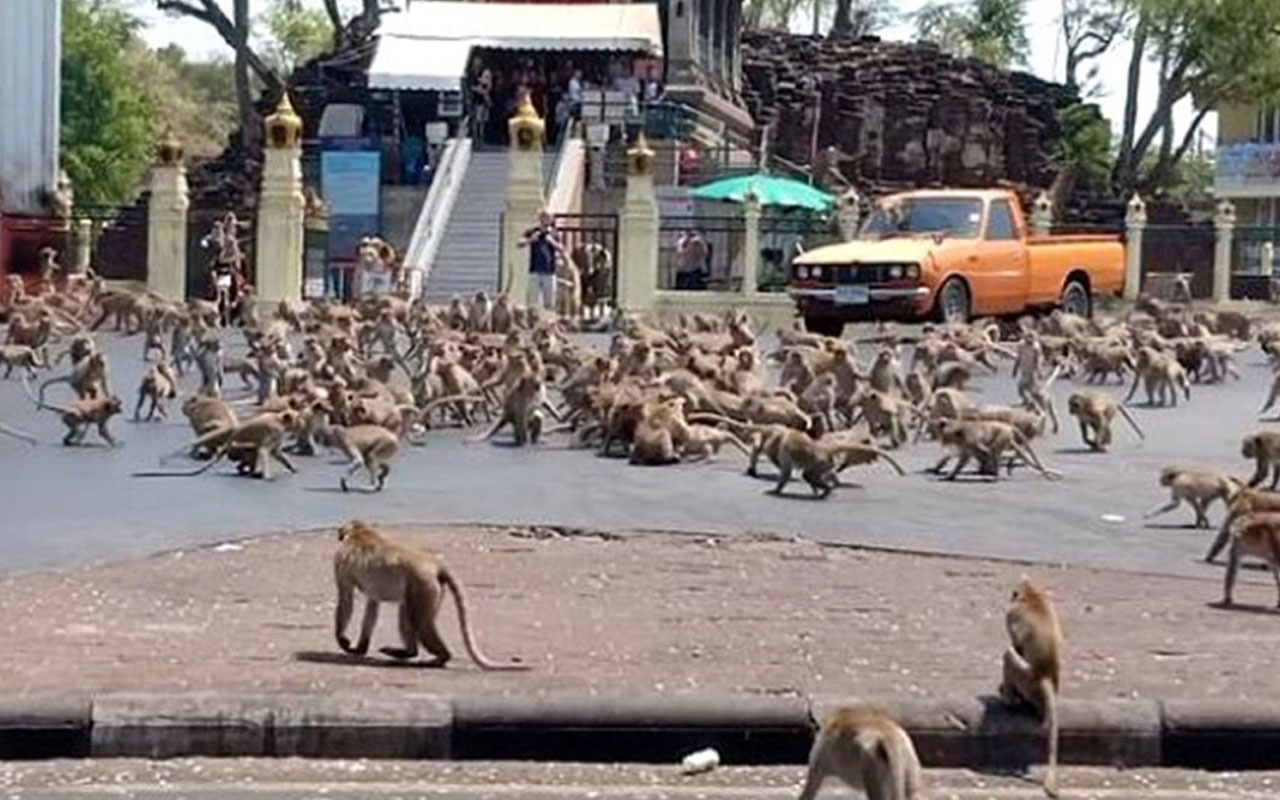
<point x="720" y="269"/>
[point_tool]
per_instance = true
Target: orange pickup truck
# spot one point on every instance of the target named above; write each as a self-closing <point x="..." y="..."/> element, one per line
<point x="951" y="254"/>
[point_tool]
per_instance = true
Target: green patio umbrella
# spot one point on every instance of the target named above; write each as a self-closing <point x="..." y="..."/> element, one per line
<point x="771" y="189"/>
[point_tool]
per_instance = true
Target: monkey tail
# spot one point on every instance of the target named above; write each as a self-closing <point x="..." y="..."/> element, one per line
<point x="1132" y="422"/>
<point x="222" y="451"/>
<point x="468" y="638"/>
<point x="1050" y="694"/>
<point x="17" y="434"/>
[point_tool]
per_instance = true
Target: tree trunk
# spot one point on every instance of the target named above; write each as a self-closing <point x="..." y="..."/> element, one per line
<point x="244" y="90"/>
<point x="335" y="19"/>
<point x="1121" y="173"/>
<point x="842" y="25"/>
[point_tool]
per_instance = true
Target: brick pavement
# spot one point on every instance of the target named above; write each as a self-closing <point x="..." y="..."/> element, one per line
<point x="651" y="612"/>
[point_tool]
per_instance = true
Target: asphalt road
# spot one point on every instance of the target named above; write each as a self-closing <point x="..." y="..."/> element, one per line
<point x="71" y="505"/>
<point x="294" y="779"/>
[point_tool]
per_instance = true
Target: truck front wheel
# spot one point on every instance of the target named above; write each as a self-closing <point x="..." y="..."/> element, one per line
<point x="1076" y="299"/>
<point x="952" y="304"/>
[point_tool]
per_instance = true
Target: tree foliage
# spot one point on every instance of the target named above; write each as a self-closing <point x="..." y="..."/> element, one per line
<point x="852" y="18"/>
<point x="991" y="30"/>
<point x="294" y="33"/>
<point x="108" y="104"/>
<point x="197" y="98"/>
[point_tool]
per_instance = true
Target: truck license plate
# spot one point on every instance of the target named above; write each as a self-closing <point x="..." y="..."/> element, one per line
<point x="852" y="295"/>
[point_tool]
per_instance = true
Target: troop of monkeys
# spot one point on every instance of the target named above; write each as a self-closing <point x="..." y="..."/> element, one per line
<point x="860" y="745"/>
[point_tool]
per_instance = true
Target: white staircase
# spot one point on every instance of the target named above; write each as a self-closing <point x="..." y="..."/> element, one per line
<point x="468" y="258"/>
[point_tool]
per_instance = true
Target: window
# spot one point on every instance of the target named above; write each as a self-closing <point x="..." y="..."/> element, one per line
<point x="1266" y="125"/>
<point x="949" y="216"/>
<point x="1000" y="226"/>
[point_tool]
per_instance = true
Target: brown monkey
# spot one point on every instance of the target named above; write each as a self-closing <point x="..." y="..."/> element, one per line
<point x="986" y="441"/>
<point x="158" y="385"/>
<point x="866" y="749"/>
<point x="1033" y="664"/>
<point x="368" y="447"/>
<point x="82" y="413"/>
<point x="21" y="355"/>
<point x="1161" y="375"/>
<point x="1256" y="535"/>
<point x="819" y="462"/>
<point x="386" y="571"/>
<point x="1264" y="448"/>
<point x="521" y="409"/>
<point x="1245" y="501"/>
<point x="1095" y="410"/>
<point x="703" y="441"/>
<point x="88" y="377"/>
<point x="253" y="442"/>
<point x="1199" y="487"/>
<point x="207" y="414"/>
<point x="661" y="430"/>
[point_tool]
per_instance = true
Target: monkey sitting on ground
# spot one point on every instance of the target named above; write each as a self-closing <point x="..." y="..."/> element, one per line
<point x="522" y="410"/>
<point x="866" y="749"/>
<point x="1032" y="664"/>
<point x="1256" y="535"/>
<point x="1245" y="501"/>
<point x="388" y="572"/>
<point x="1095" y="410"/>
<point x="1199" y="487"/>
<point x="1264" y="448"/>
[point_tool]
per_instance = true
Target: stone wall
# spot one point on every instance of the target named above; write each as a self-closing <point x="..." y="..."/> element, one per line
<point x="901" y="115"/>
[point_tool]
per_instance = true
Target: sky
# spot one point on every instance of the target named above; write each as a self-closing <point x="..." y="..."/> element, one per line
<point x="1046" y="61"/>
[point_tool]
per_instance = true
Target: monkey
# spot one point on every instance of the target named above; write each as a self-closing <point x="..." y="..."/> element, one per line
<point x="88" y="378"/>
<point x="479" y="313"/>
<point x="207" y="414"/>
<point x="1161" y="375"/>
<point x="368" y="447"/>
<point x="866" y="749"/>
<point x="521" y="410"/>
<point x="1035" y="394"/>
<point x="1264" y="448"/>
<point x="1256" y="535"/>
<point x="1095" y="411"/>
<point x="153" y="319"/>
<point x="820" y="399"/>
<point x="886" y="373"/>
<point x="885" y="413"/>
<point x="703" y="441"/>
<point x="180" y="345"/>
<point x="21" y="355"/>
<point x="80" y="348"/>
<point x="1271" y="397"/>
<point x="816" y="460"/>
<point x="1099" y="363"/>
<point x="256" y="440"/>
<point x="500" y="317"/>
<point x="209" y="361"/>
<point x="386" y="571"/>
<point x="986" y="441"/>
<point x="1033" y="664"/>
<point x="660" y="431"/>
<point x="83" y="413"/>
<point x="1199" y="487"/>
<point x="1245" y="501"/>
<point x="158" y="384"/>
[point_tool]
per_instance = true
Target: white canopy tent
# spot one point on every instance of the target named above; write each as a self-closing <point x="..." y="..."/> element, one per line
<point x="427" y="47"/>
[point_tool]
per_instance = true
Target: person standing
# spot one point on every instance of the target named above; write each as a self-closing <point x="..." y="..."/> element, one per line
<point x="544" y="248"/>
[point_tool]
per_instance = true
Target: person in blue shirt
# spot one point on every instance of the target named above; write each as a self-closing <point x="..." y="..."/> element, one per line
<point x="544" y="250"/>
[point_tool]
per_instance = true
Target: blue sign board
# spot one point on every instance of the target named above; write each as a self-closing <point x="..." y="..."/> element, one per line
<point x="350" y="181"/>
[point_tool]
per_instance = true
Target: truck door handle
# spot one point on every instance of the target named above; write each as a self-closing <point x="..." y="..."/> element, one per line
<point x="973" y="259"/>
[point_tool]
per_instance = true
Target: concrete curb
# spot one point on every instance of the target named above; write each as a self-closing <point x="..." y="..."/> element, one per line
<point x="746" y="728"/>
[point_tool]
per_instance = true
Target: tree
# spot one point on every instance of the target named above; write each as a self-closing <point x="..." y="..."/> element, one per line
<point x="991" y="30"/>
<point x="235" y="33"/>
<point x="1211" y="52"/>
<point x="196" y="98"/>
<point x="857" y="18"/>
<point x="107" y="110"/>
<point x="1081" y="154"/>
<point x="1089" y="28"/>
<point x="296" y="34"/>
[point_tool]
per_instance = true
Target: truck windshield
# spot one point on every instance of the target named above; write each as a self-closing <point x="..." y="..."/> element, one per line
<point x="952" y="216"/>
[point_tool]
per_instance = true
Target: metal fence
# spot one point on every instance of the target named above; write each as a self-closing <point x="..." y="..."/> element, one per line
<point x="118" y="240"/>
<point x="592" y="243"/>
<point x="1180" y="248"/>
<point x="721" y="268"/>
<point x="785" y="236"/>
<point x="202" y="252"/>
<point x="1247" y="247"/>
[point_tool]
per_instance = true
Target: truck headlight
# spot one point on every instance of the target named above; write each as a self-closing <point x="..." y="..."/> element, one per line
<point x="913" y="271"/>
<point x="815" y="273"/>
<point x="802" y="273"/>
<point x="895" y="272"/>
